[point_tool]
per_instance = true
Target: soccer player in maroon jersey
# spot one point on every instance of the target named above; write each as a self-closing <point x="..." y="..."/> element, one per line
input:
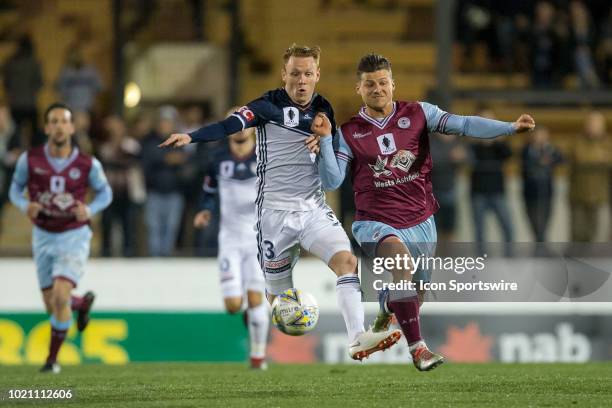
<point x="386" y="147"/>
<point x="57" y="176"/>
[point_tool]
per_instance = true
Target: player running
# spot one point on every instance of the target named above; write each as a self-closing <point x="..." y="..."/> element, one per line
<point x="57" y="176"/>
<point x="232" y="176"/>
<point x="386" y="146"/>
<point x="291" y="208"/>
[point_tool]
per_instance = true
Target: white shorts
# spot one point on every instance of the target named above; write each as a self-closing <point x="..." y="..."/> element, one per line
<point x="60" y="254"/>
<point x="239" y="271"/>
<point x="281" y="233"/>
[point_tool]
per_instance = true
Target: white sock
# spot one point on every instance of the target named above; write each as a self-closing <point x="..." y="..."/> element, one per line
<point x="416" y="345"/>
<point x="348" y="292"/>
<point x="259" y="321"/>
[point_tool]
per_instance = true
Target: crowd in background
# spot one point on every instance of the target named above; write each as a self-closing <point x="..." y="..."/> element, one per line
<point x="547" y="39"/>
<point x="157" y="191"/>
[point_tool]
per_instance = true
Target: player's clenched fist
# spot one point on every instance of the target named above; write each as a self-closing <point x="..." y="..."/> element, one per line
<point x="202" y="219"/>
<point x="81" y="212"/>
<point x="176" y="140"/>
<point x="33" y="209"/>
<point x="524" y="123"/>
<point x="321" y="126"/>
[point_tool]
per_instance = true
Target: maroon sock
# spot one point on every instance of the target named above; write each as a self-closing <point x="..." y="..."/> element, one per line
<point x="407" y="314"/>
<point x="76" y="303"/>
<point x="57" y="338"/>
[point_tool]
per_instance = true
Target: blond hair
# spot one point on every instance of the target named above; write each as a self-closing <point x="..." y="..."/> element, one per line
<point x="302" y="51"/>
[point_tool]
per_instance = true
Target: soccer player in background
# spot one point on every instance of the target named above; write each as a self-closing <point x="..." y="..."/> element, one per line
<point x="232" y="176"/>
<point x="291" y="208"/>
<point x="386" y="146"/>
<point x="57" y="176"/>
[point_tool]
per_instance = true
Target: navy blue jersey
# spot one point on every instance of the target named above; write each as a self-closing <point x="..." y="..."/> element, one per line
<point x="287" y="172"/>
<point x="234" y="179"/>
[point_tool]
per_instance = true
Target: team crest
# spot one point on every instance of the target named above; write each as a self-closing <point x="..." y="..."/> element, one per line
<point x="403" y="122"/>
<point x="376" y="236"/>
<point x="291" y="116"/>
<point x="380" y="168"/>
<point x="74" y="173"/>
<point x="403" y="160"/>
<point x="386" y="143"/>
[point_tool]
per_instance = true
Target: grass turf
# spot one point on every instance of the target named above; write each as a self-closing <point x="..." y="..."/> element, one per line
<point x="348" y="386"/>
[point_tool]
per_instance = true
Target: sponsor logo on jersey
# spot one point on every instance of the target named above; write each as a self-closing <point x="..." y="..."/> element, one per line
<point x="403" y="122"/>
<point x="291" y="116"/>
<point x="403" y="160"/>
<point x="38" y="170"/>
<point x="246" y="113"/>
<point x="63" y="201"/>
<point x="358" y="135"/>
<point x="307" y="116"/>
<point x="386" y="143"/>
<point x="74" y="173"/>
<point x="380" y="167"/>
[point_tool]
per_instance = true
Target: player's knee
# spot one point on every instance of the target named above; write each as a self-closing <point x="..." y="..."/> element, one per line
<point x="233" y="305"/>
<point x="343" y="263"/>
<point x="254" y="299"/>
<point x="59" y="301"/>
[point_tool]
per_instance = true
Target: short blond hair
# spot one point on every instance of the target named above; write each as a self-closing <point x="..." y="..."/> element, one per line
<point x="302" y="51"/>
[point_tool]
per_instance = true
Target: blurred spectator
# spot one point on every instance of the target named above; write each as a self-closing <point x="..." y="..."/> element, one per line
<point x="488" y="186"/>
<point x="447" y="153"/>
<point x="583" y="39"/>
<point x="22" y="81"/>
<point x="9" y="152"/>
<point x="546" y="61"/>
<point x="539" y="158"/>
<point x="78" y="83"/>
<point x="119" y="156"/>
<point x="82" y="127"/>
<point x="192" y="115"/>
<point x="589" y="177"/>
<point x="142" y="125"/>
<point x="163" y="175"/>
<point x="604" y="51"/>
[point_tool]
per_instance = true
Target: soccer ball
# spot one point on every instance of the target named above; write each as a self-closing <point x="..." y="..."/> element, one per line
<point x="295" y="312"/>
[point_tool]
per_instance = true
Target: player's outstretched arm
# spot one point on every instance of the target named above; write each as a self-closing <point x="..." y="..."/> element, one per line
<point x="473" y="126"/>
<point x="332" y="165"/>
<point x="209" y="133"/>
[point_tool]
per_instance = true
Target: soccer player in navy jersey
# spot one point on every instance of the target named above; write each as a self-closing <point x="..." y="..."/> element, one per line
<point x="232" y="176"/>
<point x="291" y="208"/>
<point x="386" y="148"/>
<point x="57" y="176"/>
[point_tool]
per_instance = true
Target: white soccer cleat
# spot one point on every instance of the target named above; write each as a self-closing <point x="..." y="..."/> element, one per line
<point x="370" y="342"/>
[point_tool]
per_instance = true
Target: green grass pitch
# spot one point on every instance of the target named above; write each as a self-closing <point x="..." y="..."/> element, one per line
<point x="234" y="385"/>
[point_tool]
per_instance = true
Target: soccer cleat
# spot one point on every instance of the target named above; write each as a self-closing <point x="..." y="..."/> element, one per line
<point x="370" y="342"/>
<point x="425" y="360"/>
<point x="53" y="368"/>
<point x="259" y="363"/>
<point x="384" y="317"/>
<point x="83" y="313"/>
